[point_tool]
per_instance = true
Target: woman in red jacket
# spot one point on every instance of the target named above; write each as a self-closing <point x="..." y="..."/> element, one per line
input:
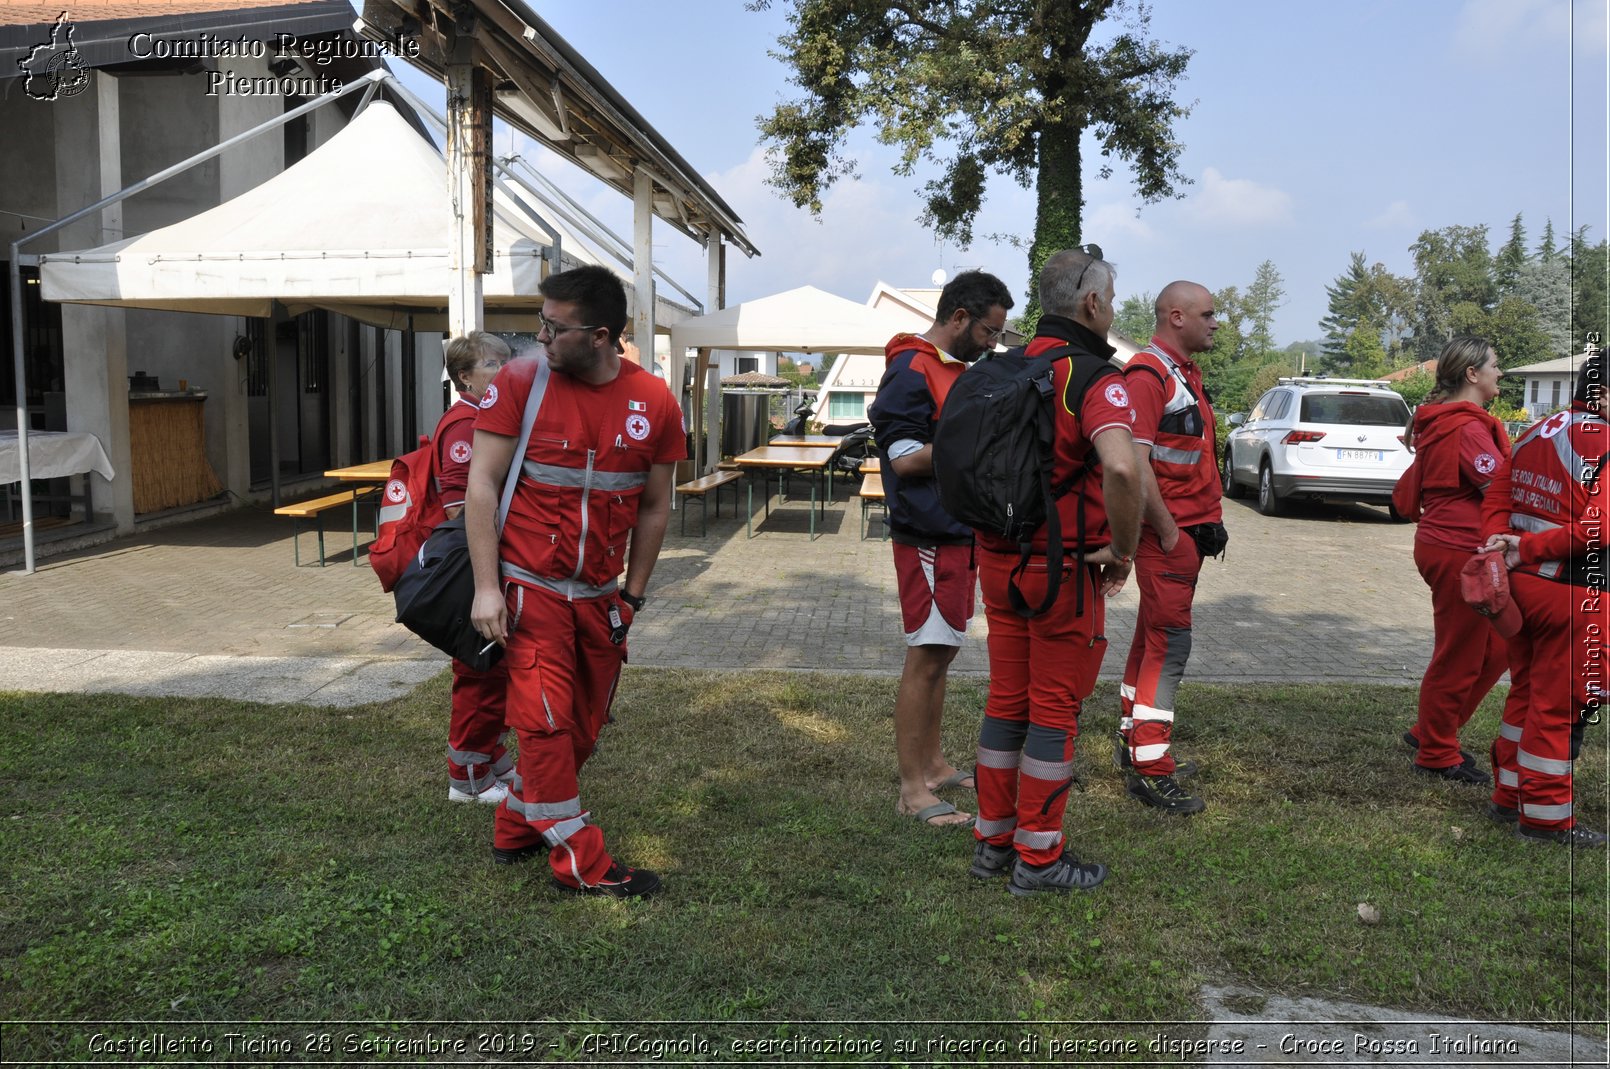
<point x="477" y="764"/>
<point x="1459" y="448"/>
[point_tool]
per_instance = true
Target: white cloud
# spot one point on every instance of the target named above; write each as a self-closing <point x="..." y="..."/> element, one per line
<point x="1109" y="222"/>
<point x="1237" y="202"/>
<point x="1489" y="29"/>
<point x="1396" y="217"/>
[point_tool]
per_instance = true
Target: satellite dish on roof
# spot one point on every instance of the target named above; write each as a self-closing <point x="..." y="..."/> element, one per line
<point x="939" y="277"/>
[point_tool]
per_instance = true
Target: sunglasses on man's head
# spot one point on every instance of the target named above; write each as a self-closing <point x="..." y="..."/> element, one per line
<point x="1093" y="251"/>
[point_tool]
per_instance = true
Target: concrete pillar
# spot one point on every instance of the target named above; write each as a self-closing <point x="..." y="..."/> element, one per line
<point x="223" y="376"/>
<point x="643" y="269"/>
<point x="94" y="340"/>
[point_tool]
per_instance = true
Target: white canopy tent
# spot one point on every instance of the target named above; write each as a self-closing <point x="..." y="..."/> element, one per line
<point x="803" y="320"/>
<point x="356" y="226"/>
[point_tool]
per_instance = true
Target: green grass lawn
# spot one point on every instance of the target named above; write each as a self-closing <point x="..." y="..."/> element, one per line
<point x="185" y="860"/>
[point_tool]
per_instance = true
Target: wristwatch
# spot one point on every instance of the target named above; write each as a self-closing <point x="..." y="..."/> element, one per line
<point x="635" y="602"/>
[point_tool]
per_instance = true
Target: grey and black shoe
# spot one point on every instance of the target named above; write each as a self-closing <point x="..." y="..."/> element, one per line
<point x="1502" y="814"/>
<point x="1161" y="792"/>
<point x="1066" y="873"/>
<point x="1578" y="837"/>
<point x="991" y="861"/>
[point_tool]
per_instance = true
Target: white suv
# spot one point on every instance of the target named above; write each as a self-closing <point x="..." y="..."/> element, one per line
<point x="1319" y="439"/>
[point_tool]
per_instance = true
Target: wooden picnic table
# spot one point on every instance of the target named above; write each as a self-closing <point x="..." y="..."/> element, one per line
<point x="808" y="441"/>
<point x="781" y="458"/>
<point x="374" y="471"/>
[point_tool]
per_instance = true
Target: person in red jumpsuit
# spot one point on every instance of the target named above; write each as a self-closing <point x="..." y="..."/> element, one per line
<point x="1547" y="515"/>
<point x="1459" y="450"/>
<point x="1182" y="521"/>
<point x="478" y="765"/>
<point x="592" y="501"/>
<point x="1043" y="668"/>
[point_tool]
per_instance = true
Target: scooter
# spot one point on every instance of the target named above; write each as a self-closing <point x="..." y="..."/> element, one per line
<point x="802" y="415"/>
<point x="855" y="448"/>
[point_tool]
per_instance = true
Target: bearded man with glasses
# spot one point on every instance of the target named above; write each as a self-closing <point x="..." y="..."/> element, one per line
<point x="593" y="499"/>
<point x="933" y="553"/>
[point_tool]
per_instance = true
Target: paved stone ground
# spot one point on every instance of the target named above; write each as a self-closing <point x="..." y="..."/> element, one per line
<point x="1326" y="593"/>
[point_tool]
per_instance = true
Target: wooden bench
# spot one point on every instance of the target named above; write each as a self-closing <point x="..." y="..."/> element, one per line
<point x="314" y="509"/>
<point x="871" y="495"/>
<point x="703" y="485"/>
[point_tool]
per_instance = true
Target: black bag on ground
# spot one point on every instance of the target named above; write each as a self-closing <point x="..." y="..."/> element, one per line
<point x="994" y="452"/>
<point x="435" y="593"/>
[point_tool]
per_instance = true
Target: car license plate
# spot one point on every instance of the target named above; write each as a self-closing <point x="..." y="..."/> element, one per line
<point x="1359" y="454"/>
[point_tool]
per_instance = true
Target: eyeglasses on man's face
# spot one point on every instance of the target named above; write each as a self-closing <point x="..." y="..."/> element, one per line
<point x="553" y="330"/>
<point x="991" y="334"/>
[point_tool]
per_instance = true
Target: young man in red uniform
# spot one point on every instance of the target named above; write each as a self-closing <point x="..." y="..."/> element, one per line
<point x="1175" y="444"/>
<point x="593" y="499"/>
<point x="1547" y="514"/>
<point x="1042" y="669"/>
<point x="933" y="553"/>
<point x="478" y="765"/>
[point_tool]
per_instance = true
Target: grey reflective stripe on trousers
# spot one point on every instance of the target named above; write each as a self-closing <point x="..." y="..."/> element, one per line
<point x="468" y="757"/>
<point x="1546" y="812"/>
<point x="554" y="475"/>
<point x="991" y="828"/>
<point x="1002" y="759"/>
<point x="1506" y="778"/>
<point x="571" y="589"/>
<point x="1036" y="840"/>
<point x="1511" y="732"/>
<point x="547" y="810"/>
<point x="564" y="830"/>
<point x="1190" y="457"/>
<point x="1546" y="765"/>
<point x="1051" y="770"/>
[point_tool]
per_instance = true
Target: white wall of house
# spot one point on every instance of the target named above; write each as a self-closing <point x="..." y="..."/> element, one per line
<point x="1543" y="393"/>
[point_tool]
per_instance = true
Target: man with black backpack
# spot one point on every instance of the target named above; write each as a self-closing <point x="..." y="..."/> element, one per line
<point x="1044" y="657"/>
<point x="933" y="553"/>
<point x="1174" y="432"/>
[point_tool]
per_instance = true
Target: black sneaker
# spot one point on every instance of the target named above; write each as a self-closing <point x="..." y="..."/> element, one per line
<point x="1503" y="814"/>
<point x="1121" y="761"/>
<point x="519" y="853"/>
<point x="1066" y="873"/>
<point x="990" y="861"/>
<point x="1464" y="772"/>
<point x="1161" y="792"/>
<point x="621" y="881"/>
<point x="1577" y="837"/>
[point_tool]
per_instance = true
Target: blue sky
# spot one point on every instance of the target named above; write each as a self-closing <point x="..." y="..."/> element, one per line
<point x="1318" y="129"/>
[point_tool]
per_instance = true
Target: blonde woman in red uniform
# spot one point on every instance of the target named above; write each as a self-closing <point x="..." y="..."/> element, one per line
<point x="1459" y="449"/>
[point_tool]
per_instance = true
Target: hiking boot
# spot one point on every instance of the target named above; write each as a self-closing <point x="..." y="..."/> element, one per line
<point x="1064" y="874"/>
<point x="1121" y="761"/>
<point x="1465" y="772"/>
<point x="990" y="861"/>
<point x="1503" y="814"/>
<point x="501" y="856"/>
<point x="1161" y="792"/>
<point x="492" y="794"/>
<point x="1577" y="837"/>
<point x="621" y="881"/>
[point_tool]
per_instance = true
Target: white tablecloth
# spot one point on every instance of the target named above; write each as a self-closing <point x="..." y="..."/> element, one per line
<point x="51" y="455"/>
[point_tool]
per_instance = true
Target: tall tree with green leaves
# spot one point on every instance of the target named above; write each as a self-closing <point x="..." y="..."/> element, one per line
<point x="1351" y="303"/>
<point x="1546" y="250"/>
<point x="1007" y="87"/>
<point x="1510" y="258"/>
<point x="1136" y="317"/>
<point x="1452" y="269"/>
<point x="1264" y="296"/>
<point x="1590" y="291"/>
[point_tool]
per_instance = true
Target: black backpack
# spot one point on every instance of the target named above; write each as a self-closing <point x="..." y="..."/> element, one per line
<point x="993" y="456"/>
